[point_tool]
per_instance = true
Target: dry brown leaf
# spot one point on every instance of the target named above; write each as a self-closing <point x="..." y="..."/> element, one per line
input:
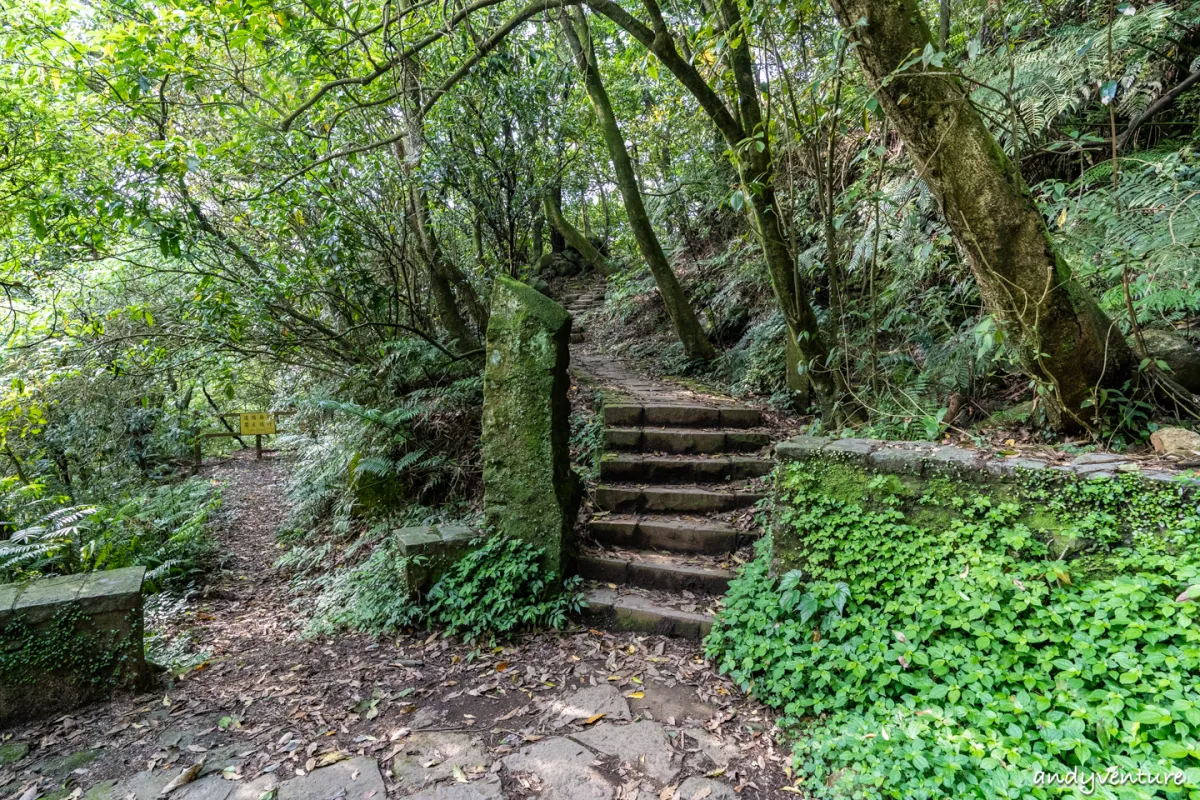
<point x="183" y="778"/>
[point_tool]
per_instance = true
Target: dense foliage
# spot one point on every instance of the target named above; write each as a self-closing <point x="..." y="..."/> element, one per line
<point x="496" y="590"/>
<point x="959" y="654"/>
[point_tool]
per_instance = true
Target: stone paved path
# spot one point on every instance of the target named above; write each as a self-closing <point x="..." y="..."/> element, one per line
<point x="274" y="715"/>
<point x="678" y="482"/>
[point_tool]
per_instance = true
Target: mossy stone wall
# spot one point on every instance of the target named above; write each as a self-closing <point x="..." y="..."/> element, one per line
<point x="530" y="491"/>
<point x="1080" y="511"/>
<point x="69" y="640"/>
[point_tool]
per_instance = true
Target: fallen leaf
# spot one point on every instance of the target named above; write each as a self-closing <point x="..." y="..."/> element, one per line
<point x="593" y="718"/>
<point x="183" y="778"/>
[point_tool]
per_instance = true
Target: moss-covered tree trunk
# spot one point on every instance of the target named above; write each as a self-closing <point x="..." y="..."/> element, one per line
<point x="683" y="317"/>
<point x="1066" y="342"/>
<point x="573" y="237"/>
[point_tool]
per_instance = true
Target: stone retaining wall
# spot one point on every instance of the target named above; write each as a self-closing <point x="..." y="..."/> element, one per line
<point x="925" y="458"/>
<point x="68" y="640"/>
<point x="929" y="484"/>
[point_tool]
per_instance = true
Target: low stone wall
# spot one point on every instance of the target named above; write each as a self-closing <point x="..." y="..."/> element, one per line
<point x="69" y="640"/>
<point x="929" y="485"/>
<point x="430" y="550"/>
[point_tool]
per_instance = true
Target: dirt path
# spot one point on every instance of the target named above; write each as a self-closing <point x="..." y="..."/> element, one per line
<point x="432" y="713"/>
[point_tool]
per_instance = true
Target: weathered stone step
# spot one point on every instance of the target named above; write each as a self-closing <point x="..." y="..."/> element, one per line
<point x="628" y="499"/>
<point x="683" y="440"/>
<point x="674" y="535"/>
<point x="622" y="415"/>
<point x="685" y="469"/>
<point x="612" y="610"/>
<point x="653" y="574"/>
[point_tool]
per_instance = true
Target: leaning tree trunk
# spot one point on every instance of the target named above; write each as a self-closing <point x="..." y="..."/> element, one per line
<point x="1065" y="341"/>
<point x="683" y="317"/>
<point x="572" y="236"/>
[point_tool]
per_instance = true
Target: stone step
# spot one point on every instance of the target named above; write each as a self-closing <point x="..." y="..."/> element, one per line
<point x="663" y="533"/>
<point x="630" y="499"/>
<point x="630" y="415"/>
<point x="577" y="337"/>
<point x="684" y="440"/>
<point x="661" y="575"/>
<point x="682" y="469"/>
<point x="609" y="609"/>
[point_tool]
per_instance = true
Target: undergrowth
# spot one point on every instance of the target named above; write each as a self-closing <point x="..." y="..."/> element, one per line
<point x="960" y="659"/>
<point x="496" y="590"/>
<point x="166" y="529"/>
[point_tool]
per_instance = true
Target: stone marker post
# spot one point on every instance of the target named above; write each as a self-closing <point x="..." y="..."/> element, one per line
<point x="529" y="490"/>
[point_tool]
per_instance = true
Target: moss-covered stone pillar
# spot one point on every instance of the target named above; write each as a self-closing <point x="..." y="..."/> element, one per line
<point x="529" y="490"/>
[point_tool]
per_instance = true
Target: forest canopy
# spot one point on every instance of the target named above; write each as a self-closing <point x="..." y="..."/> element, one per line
<point x="223" y="205"/>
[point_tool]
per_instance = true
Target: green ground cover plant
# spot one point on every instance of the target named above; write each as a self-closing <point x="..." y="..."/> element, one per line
<point x="952" y="643"/>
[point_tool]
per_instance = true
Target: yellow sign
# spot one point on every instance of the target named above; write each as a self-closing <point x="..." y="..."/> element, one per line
<point x="259" y="422"/>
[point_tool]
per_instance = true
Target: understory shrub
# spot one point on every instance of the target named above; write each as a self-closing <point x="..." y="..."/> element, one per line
<point x="166" y="529"/>
<point x="495" y="590"/>
<point x="922" y="654"/>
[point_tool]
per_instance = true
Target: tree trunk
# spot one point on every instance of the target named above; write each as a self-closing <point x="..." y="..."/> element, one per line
<point x="1065" y="341"/>
<point x="572" y="236"/>
<point x="757" y="171"/>
<point x="683" y="317"/>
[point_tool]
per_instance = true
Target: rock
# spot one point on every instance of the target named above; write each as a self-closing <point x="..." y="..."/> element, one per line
<point x="695" y="789"/>
<point x="486" y="788"/>
<point x="213" y="787"/>
<point x="144" y="785"/>
<point x="721" y="754"/>
<point x="12" y="752"/>
<point x="353" y="779"/>
<point x="1179" y="353"/>
<point x="530" y="492"/>
<point x="663" y="702"/>
<point x="432" y="757"/>
<point x="643" y="745"/>
<point x="61" y="766"/>
<point x="1176" y="442"/>
<point x="102" y="791"/>
<point x="562" y="769"/>
<point x="540" y="285"/>
<point x="587" y="703"/>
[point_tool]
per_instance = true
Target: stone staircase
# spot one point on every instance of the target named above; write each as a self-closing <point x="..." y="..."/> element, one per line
<point x="665" y="532"/>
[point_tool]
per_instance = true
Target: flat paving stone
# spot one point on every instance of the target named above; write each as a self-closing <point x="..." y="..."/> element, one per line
<point x="704" y="789"/>
<point x="718" y="752"/>
<point x="352" y="779"/>
<point x="432" y="758"/>
<point x="587" y="703"/>
<point x="643" y="745"/>
<point x="562" y="769"/>
<point x="486" y="788"/>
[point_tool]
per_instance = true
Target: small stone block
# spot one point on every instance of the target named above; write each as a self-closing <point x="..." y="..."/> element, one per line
<point x="740" y="417"/>
<point x="1006" y="467"/>
<point x="622" y="415"/>
<point x="801" y="448"/>
<point x="1088" y="459"/>
<point x="42" y="598"/>
<point x="417" y="540"/>
<point x="680" y="415"/>
<point x="457" y="534"/>
<point x="899" y="460"/>
<point x="855" y="450"/>
<point x="113" y="590"/>
<point x="955" y="460"/>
